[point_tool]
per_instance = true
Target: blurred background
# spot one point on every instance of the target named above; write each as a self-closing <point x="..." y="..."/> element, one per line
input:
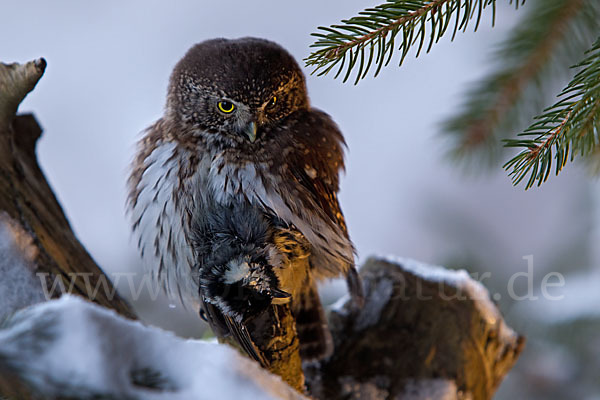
<point x="108" y="67"/>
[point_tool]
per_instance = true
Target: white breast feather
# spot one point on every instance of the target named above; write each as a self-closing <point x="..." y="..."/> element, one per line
<point x="226" y="180"/>
<point x="162" y="231"/>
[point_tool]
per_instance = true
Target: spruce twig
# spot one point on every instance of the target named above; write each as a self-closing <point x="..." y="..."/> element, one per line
<point x="370" y="38"/>
<point x="569" y="127"/>
<point x="541" y="48"/>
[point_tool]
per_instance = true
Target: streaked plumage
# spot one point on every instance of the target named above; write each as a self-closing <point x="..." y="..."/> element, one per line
<point x="275" y="161"/>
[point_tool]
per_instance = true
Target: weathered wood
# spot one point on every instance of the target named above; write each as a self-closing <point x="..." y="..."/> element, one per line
<point x="11" y="386"/>
<point x="417" y="337"/>
<point x="415" y="330"/>
<point x="26" y="197"/>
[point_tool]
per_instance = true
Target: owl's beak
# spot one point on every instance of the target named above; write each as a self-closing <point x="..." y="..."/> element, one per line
<point x="250" y="131"/>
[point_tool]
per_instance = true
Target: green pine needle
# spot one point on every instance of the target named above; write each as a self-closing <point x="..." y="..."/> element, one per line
<point x="551" y="36"/>
<point x="540" y="48"/>
<point x="568" y="128"/>
<point x="369" y="39"/>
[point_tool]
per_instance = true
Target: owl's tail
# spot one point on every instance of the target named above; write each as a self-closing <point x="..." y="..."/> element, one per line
<point x="315" y="338"/>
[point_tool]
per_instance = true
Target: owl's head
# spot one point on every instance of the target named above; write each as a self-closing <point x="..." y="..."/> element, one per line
<point x="235" y="88"/>
<point x="242" y="287"/>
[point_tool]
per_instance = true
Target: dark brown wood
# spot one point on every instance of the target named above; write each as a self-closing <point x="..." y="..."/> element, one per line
<point x="413" y="330"/>
<point x="26" y="197"/>
<point x="11" y="386"/>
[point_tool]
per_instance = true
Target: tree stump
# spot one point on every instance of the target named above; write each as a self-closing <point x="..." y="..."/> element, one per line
<point x="424" y="332"/>
<point x="30" y="212"/>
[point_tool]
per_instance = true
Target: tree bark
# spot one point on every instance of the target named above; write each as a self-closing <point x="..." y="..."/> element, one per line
<point x="27" y="200"/>
<point x="423" y="333"/>
<point x="416" y="336"/>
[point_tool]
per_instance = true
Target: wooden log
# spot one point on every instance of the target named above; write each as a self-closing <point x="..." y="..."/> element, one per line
<point x="424" y="332"/>
<point x="27" y="201"/>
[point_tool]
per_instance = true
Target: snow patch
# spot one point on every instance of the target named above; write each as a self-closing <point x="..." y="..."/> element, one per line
<point x="461" y="280"/>
<point x="375" y="302"/>
<point x="339" y="306"/>
<point x="73" y="348"/>
<point x="439" y="389"/>
<point x="372" y="389"/>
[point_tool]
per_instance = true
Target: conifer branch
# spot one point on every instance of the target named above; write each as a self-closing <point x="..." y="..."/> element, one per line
<point x="370" y="38"/>
<point x="542" y="47"/>
<point x="571" y="126"/>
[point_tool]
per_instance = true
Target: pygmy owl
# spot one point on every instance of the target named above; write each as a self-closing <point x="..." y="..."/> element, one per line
<point x="233" y="192"/>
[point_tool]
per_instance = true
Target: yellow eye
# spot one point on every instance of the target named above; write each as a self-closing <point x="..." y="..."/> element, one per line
<point x="272" y="102"/>
<point x="226" y="106"/>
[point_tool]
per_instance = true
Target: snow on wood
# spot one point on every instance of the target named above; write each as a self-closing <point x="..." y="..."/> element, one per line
<point x="73" y="348"/>
<point x="461" y="280"/>
<point x="419" y="323"/>
<point x="424" y="332"/>
<point x="29" y="202"/>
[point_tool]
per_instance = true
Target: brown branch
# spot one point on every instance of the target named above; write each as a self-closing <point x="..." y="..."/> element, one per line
<point x="16" y="81"/>
<point x="534" y="152"/>
<point x="27" y="200"/>
<point x="415" y="333"/>
<point x="424" y="333"/>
